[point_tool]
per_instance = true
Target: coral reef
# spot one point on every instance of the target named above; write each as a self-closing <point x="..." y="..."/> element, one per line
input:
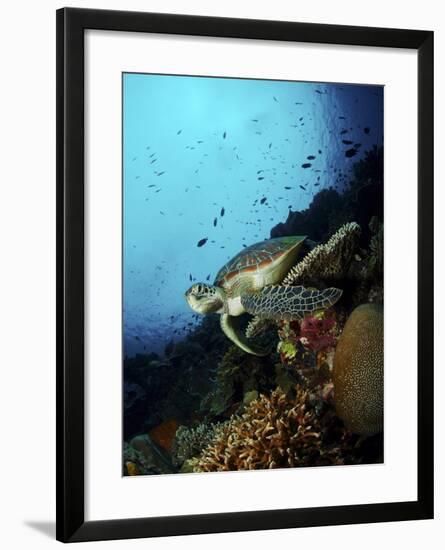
<point x="237" y="373"/>
<point x="327" y="261"/>
<point x="189" y="442"/>
<point x="275" y="431"/>
<point x="164" y="434"/>
<point x="358" y="371"/>
<point x="156" y="460"/>
<point x="206" y="405"/>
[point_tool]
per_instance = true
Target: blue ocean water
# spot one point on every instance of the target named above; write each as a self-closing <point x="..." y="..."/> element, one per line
<point x="219" y="162"/>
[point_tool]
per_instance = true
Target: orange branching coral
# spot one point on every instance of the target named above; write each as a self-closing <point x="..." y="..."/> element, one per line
<point x="275" y="431"/>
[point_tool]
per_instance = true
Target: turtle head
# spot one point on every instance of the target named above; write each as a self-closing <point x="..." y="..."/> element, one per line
<point x="204" y="298"/>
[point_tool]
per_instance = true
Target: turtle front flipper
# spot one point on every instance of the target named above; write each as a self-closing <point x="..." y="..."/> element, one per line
<point x="229" y="326"/>
<point x="288" y="302"/>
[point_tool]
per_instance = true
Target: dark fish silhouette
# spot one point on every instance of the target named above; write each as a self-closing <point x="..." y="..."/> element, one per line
<point x="357" y="145"/>
<point x="261" y="178"/>
<point x="202" y="242"/>
<point x="367" y="130"/>
<point x="319" y="151"/>
<point x="275" y="99"/>
<point x="178" y="132"/>
<point x="263" y="200"/>
<point x="152" y="185"/>
<point x="347" y="141"/>
<point x="208" y="277"/>
<point x="350" y="152"/>
<point x="302" y="187"/>
<point x="154" y="160"/>
<point x="319" y="92"/>
<point x="215" y="221"/>
<point x="310" y="157"/>
<point x="160" y="173"/>
<point x="254" y="120"/>
<point x="222" y="211"/>
<point x="343" y="132"/>
<point x="259" y="171"/>
<point x="298" y="103"/>
<point x="270" y="145"/>
<point x="190" y="277"/>
<point x="306" y="165"/>
<point x="224" y="135"/>
<point x="341" y="117"/>
<point x="287" y="187"/>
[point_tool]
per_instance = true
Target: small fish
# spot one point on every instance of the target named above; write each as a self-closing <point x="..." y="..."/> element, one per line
<point x="287" y="187"/>
<point x="319" y="151"/>
<point x="222" y="211"/>
<point x="347" y="141"/>
<point x="202" y="242"/>
<point x="208" y="277"/>
<point x="215" y="221"/>
<point x="190" y="277"/>
<point x="350" y="152"/>
<point x="261" y="178"/>
<point x="302" y="187"/>
<point x="224" y="135"/>
<point x="367" y="130"/>
<point x="254" y="120"/>
<point x="275" y="99"/>
<point x="263" y="200"/>
<point x="259" y="171"/>
<point x="310" y="157"/>
<point x="341" y="117"/>
<point x="357" y="145"/>
<point x="178" y="132"/>
<point x="154" y="160"/>
<point x="160" y="211"/>
<point x="160" y="173"/>
<point x="306" y="165"/>
<point x="270" y="145"/>
<point x="343" y="132"/>
<point x="152" y="185"/>
<point x="298" y="103"/>
<point x="318" y="92"/>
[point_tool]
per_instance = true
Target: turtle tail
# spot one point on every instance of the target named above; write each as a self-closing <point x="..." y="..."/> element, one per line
<point x="288" y="302"/>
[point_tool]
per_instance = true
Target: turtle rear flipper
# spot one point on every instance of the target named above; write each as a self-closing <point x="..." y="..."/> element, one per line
<point x="229" y="326"/>
<point x="288" y="302"/>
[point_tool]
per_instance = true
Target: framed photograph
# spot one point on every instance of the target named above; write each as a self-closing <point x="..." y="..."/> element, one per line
<point x="244" y="284"/>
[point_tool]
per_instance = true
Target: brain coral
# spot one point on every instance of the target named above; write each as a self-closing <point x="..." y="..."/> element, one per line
<point x="358" y="371"/>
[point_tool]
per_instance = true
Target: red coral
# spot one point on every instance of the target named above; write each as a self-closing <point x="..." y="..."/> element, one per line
<point x="316" y="333"/>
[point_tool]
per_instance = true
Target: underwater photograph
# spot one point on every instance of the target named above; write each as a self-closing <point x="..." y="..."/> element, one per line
<point x="252" y="274"/>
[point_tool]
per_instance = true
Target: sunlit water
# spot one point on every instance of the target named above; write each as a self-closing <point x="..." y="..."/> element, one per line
<point x="223" y="160"/>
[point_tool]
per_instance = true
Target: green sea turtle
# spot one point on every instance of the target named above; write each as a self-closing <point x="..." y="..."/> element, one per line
<point x="250" y="281"/>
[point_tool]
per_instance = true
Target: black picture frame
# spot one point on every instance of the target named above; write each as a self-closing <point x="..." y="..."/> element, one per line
<point x="71" y="23"/>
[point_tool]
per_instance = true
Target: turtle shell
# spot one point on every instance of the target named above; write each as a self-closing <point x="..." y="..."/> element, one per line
<point x="256" y="257"/>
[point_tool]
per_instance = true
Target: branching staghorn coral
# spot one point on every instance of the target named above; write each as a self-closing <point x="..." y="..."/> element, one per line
<point x="274" y="432"/>
<point x="330" y="260"/>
